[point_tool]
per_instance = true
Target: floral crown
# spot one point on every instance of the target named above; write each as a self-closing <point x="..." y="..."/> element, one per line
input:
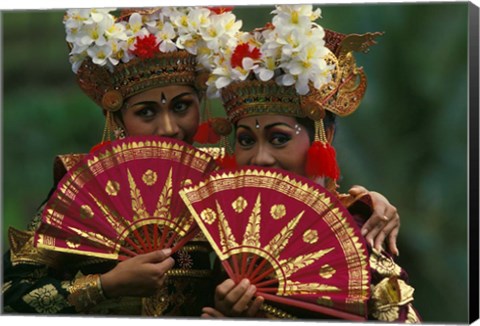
<point x="115" y="57"/>
<point x="291" y="66"/>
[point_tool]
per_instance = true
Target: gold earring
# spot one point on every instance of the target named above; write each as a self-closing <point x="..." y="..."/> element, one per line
<point x="119" y="133"/>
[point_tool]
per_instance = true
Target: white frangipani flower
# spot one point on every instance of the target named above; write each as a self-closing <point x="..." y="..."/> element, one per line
<point x="292" y="52"/>
<point x="100" y="54"/>
<point x="165" y="36"/>
<point x="135" y="24"/>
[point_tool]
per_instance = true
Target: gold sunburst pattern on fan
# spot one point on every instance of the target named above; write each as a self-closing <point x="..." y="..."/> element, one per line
<point x="287" y="235"/>
<point x="123" y="200"/>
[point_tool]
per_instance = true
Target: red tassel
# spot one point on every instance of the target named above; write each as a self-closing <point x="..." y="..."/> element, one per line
<point x="321" y="161"/>
<point x="227" y="162"/>
<point x="99" y="146"/>
<point x="205" y="134"/>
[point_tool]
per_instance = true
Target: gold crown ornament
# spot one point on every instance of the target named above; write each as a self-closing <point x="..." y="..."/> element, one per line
<point x="293" y="67"/>
<point x="119" y="53"/>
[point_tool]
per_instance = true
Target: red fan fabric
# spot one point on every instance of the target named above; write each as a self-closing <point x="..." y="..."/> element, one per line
<point x="288" y="235"/>
<point x="122" y="199"/>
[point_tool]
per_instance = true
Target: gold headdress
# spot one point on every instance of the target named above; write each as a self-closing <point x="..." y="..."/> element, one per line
<point x="294" y="67"/>
<point x="116" y="57"/>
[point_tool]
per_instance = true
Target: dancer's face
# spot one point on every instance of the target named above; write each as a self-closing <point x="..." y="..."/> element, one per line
<point x="272" y="141"/>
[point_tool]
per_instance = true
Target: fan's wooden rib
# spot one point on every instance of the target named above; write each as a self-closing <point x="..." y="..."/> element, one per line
<point x="236" y="268"/>
<point x="147" y="238"/>
<point x="133" y="244"/>
<point x="258" y="269"/>
<point x="128" y="252"/>
<point x="140" y="240"/>
<point x="155" y="237"/>
<point x="228" y="269"/>
<point x="243" y="266"/>
<point x="261" y="285"/>
<point x="252" y="265"/>
<point x="183" y="241"/>
<point x="263" y="275"/>
<point x="267" y="290"/>
<point x="171" y="240"/>
<point x="163" y="239"/>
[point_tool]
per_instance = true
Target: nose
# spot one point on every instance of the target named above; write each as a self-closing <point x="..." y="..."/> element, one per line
<point x="263" y="157"/>
<point x="167" y="126"/>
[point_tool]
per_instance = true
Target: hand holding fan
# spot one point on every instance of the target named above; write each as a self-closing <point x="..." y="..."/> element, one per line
<point x="288" y="235"/>
<point x="122" y="200"/>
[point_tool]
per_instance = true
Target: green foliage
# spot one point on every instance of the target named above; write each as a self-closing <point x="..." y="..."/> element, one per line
<point x="408" y="139"/>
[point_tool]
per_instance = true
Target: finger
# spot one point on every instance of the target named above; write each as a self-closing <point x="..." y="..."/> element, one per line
<point x="242" y="303"/>
<point x="166" y="264"/>
<point x="255" y="306"/>
<point x="386" y="231"/>
<point x="209" y="312"/>
<point x="391" y="213"/>
<point x="156" y="256"/>
<point x="378" y="217"/>
<point x="392" y="240"/>
<point x="389" y="220"/>
<point x="224" y="288"/>
<point x="357" y="190"/>
<point x="374" y="223"/>
<point x="375" y="232"/>
<point x="231" y="300"/>
<point x="379" y="238"/>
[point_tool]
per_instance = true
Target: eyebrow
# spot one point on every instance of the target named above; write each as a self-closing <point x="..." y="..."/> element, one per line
<point x="182" y="95"/>
<point x="267" y="127"/>
<point x="173" y="99"/>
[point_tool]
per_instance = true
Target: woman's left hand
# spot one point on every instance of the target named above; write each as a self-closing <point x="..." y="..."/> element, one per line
<point x="384" y="223"/>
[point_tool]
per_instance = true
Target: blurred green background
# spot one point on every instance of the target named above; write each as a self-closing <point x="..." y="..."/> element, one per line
<point x="408" y="140"/>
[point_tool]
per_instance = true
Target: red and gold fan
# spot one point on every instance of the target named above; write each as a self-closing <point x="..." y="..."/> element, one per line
<point x="288" y="235"/>
<point x="122" y="200"/>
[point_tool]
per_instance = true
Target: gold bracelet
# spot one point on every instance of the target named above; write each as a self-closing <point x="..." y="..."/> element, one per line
<point x="86" y="292"/>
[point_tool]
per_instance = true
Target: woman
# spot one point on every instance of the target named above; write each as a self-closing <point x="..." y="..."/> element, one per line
<point x="281" y="89"/>
<point x="140" y="68"/>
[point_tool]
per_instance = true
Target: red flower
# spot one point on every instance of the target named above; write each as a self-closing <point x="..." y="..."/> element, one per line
<point x="220" y="10"/>
<point x="244" y="51"/>
<point x="269" y="26"/>
<point x="146" y="46"/>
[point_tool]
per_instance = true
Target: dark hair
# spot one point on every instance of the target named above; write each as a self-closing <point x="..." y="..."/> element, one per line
<point x="329" y="122"/>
